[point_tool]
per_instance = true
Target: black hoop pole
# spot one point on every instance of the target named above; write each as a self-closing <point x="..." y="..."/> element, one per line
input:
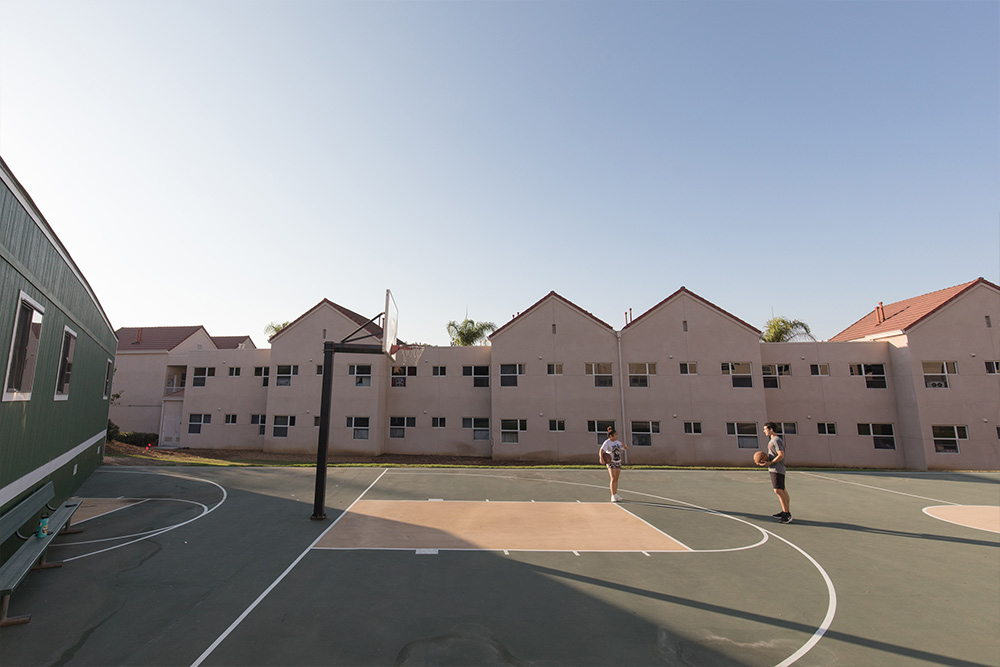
<point x="319" y="506"/>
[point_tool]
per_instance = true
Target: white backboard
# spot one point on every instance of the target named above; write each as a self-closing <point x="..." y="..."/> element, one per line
<point x="390" y="324"/>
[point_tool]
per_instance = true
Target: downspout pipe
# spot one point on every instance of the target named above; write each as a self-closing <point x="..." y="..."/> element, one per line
<point x="621" y="390"/>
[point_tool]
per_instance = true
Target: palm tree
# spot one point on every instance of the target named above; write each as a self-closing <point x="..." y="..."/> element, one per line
<point x="470" y="332"/>
<point x="784" y="330"/>
<point x="273" y="329"/>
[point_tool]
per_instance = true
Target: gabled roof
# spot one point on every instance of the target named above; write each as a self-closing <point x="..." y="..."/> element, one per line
<point x="361" y="321"/>
<point x="553" y="295"/>
<point x="133" y="339"/>
<point x="685" y="291"/>
<point x="232" y="342"/>
<point x="903" y="315"/>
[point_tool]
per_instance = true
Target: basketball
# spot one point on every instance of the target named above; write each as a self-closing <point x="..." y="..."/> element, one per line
<point x="605" y="457"/>
<point x="758" y="457"/>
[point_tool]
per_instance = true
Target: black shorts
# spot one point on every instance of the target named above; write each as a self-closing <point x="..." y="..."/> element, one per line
<point x="778" y="480"/>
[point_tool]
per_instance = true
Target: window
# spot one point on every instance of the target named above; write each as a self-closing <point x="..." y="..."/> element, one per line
<point x="881" y="435"/>
<point x="786" y="428"/>
<point x="234" y="371"/>
<point x="65" y="364"/>
<point x="745" y="432"/>
<point x="510" y="428"/>
<point x="230" y="419"/>
<point x="108" y="376"/>
<point x="262" y="372"/>
<point x="283" y="376"/>
<point x="826" y="428"/>
<point x="23" y="350"/>
<point x="439" y="371"/>
<point x="993" y="367"/>
<point x="692" y="428"/>
<point x="689" y="368"/>
<point x="554" y="369"/>
<point x="438" y="422"/>
<point x="638" y="374"/>
<point x="509" y="373"/>
<point x="359" y="425"/>
<point x="772" y="372"/>
<point x="200" y="374"/>
<point x="600" y="427"/>
<point x="557" y="424"/>
<point x="684" y="325"/>
<point x="261" y="422"/>
<point x="936" y="373"/>
<point x="819" y="369"/>
<point x="739" y="371"/>
<point x="195" y="422"/>
<point x="602" y="374"/>
<point x="946" y="438"/>
<point x="400" y="373"/>
<point x="281" y="424"/>
<point x="362" y="374"/>
<point x="642" y="433"/>
<point x="874" y="374"/>
<point x="398" y="426"/>
<point x="480" y="375"/>
<point x="319" y="369"/>
<point x="480" y="427"/>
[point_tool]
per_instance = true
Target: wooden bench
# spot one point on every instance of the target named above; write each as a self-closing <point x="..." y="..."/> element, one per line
<point x="31" y="554"/>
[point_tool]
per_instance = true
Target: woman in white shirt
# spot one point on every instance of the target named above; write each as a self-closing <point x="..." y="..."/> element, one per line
<point x="611" y="455"/>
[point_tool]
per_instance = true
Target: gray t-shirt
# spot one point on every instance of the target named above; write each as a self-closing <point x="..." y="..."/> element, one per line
<point x="773" y="447"/>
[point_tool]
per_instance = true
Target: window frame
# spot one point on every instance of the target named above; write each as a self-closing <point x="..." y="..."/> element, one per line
<point x="207" y="372"/>
<point x="947" y="368"/>
<point x="555" y="368"/>
<point x="480" y="375"/>
<point x="739" y="380"/>
<point x="600" y="427"/>
<point x="508" y="378"/>
<point x="873" y="380"/>
<point x="439" y="371"/>
<point x="638" y="374"/>
<point x="360" y="427"/>
<point x="234" y="371"/>
<point x="602" y="378"/>
<point x="276" y="424"/>
<point x="259" y="421"/>
<point x="18" y="393"/>
<point x="64" y="371"/>
<point x="881" y="440"/>
<point x="398" y="375"/>
<point x="826" y="428"/>
<point x="958" y="432"/>
<point x="264" y="373"/>
<point x="772" y="374"/>
<point x="400" y="426"/>
<point x="285" y="379"/>
<point x="688" y="367"/>
<point x="202" y="420"/>
<point x="439" y="422"/>
<point x="819" y="370"/>
<point x="361" y="378"/>
<point x="510" y="430"/>
<point x="480" y="427"/>
<point x="557" y="425"/>
<point x="692" y="428"/>
<point x="743" y="439"/>
<point x="644" y="438"/>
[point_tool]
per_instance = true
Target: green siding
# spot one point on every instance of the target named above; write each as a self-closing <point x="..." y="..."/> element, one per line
<point x="36" y="432"/>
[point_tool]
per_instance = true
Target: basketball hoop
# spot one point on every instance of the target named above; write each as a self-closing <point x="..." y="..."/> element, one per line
<point x="407" y="355"/>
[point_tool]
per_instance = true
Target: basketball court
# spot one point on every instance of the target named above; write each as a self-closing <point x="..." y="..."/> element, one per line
<point x="223" y="566"/>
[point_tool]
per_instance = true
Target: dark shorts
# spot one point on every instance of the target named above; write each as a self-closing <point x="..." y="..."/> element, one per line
<point x="777" y="480"/>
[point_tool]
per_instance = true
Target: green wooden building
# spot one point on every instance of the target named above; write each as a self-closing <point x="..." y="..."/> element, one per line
<point x="57" y="349"/>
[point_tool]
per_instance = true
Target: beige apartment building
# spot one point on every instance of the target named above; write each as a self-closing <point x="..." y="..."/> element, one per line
<point x="913" y="384"/>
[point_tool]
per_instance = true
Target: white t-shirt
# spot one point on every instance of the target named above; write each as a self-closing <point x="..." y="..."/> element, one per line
<point x="615" y="448"/>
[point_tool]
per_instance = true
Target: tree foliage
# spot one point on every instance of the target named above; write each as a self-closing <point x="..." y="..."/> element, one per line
<point x="273" y="329"/>
<point x="784" y="330"/>
<point x="470" y="332"/>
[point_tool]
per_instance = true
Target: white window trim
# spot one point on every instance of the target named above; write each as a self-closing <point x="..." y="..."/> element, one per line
<point x="18" y="395"/>
<point x="57" y="396"/>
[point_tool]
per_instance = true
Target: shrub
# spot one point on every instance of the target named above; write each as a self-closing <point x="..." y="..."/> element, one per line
<point x="138" y="439"/>
<point x="113" y="431"/>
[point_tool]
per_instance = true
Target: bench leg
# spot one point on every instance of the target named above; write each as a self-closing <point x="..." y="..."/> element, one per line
<point x="44" y="564"/>
<point x="14" y="620"/>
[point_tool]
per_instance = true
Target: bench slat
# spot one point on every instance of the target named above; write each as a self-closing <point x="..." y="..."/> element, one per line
<point x="18" y="565"/>
<point x="25" y="510"/>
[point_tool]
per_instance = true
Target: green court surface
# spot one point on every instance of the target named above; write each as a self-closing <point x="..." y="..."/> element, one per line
<point x="223" y="566"/>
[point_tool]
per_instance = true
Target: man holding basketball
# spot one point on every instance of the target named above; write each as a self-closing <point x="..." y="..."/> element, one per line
<point x="775" y="463"/>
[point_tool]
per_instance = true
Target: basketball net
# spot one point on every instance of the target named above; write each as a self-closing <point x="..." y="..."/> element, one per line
<point x="408" y="355"/>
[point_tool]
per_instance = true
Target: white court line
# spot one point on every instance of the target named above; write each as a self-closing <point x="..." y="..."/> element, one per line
<point x="167" y="529"/>
<point x="280" y="578"/>
<point x="956" y="523"/>
<point x="654" y="528"/>
<point x="117" y="509"/>
<point x="877" y="488"/>
<point x="831" y="591"/>
<point x="147" y="533"/>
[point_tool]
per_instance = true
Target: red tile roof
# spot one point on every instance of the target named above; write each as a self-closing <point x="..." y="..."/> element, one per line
<point x="903" y="315"/>
<point x="685" y="290"/>
<point x="553" y="295"/>
<point x="153" y="338"/>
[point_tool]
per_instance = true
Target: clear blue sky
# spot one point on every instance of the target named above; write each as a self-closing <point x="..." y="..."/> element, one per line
<point x="233" y="163"/>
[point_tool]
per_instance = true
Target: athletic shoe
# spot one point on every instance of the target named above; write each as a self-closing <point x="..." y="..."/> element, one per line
<point x="778" y="515"/>
<point x="785" y="519"/>
<point x="617" y="498"/>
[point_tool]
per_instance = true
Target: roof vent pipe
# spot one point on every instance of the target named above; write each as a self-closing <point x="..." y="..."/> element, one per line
<point x="138" y="335"/>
